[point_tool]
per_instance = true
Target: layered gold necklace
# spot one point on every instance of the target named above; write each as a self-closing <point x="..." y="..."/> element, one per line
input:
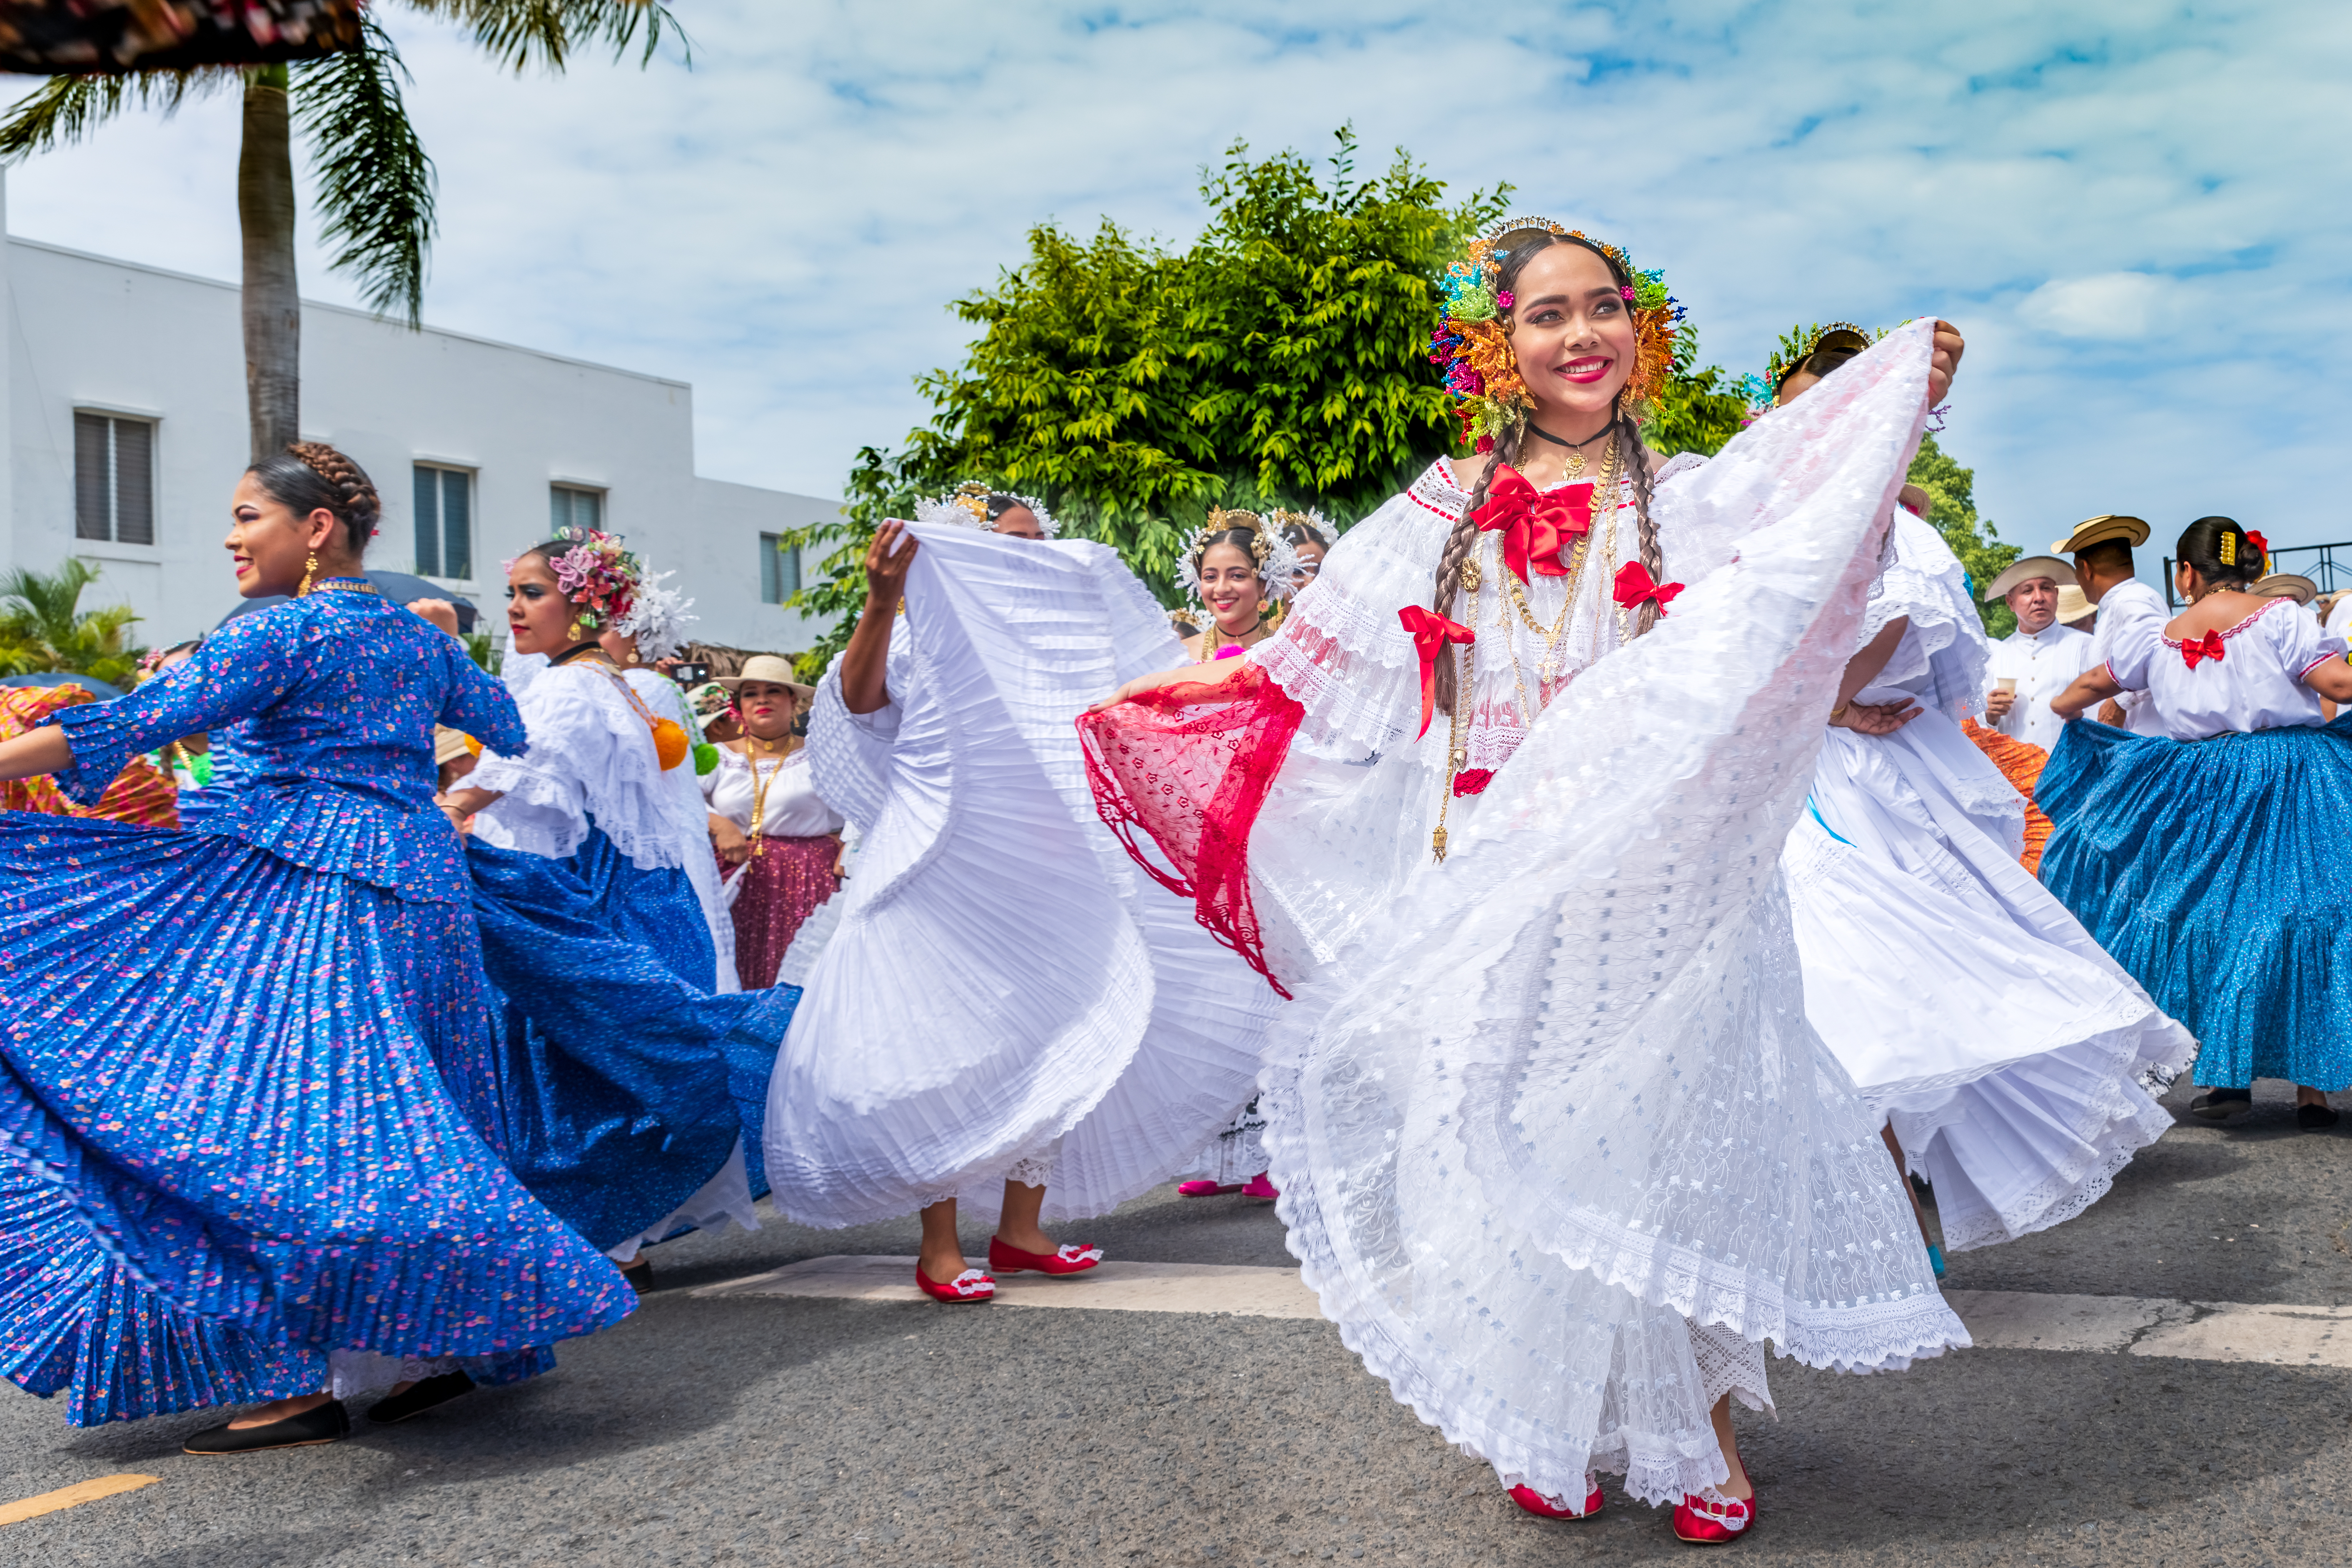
<point x="761" y="779"/>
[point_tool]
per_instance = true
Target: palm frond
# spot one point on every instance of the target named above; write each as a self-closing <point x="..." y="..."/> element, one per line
<point x="67" y="108"/>
<point x="375" y="183"/>
<point x="523" y="33"/>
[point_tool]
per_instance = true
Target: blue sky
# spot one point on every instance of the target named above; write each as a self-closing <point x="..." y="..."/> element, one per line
<point x="2137" y="212"/>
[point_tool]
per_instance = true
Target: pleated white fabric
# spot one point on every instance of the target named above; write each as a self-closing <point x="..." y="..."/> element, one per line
<point x="1561" y="1104"/>
<point x="1970" y="1007"/>
<point x="1004" y="989"/>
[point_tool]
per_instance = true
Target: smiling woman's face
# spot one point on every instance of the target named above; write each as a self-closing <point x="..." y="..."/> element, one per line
<point x="1230" y="586"/>
<point x="1572" y="332"/>
<point x="538" y="617"/>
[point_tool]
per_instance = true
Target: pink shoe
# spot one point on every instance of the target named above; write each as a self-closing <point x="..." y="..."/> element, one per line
<point x="971" y="1285"/>
<point x="1543" y="1507"/>
<point x="1069" y="1258"/>
<point x="1710" y="1520"/>
<point x="1205" y="1188"/>
<point x="1258" y="1186"/>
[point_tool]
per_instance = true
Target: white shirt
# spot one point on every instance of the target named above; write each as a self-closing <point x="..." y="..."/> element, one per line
<point x="2043" y="663"/>
<point x="2131" y="624"/>
<point x="2257" y="683"/>
<point x="2339" y="619"/>
<point x="793" y="809"/>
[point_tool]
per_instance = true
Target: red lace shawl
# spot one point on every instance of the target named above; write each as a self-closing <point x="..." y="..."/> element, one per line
<point x="1188" y="766"/>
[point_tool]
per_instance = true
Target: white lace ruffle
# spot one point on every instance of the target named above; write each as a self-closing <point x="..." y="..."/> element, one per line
<point x="1004" y="990"/>
<point x="1942" y="658"/>
<point x="724" y="1199"/>
<point x="1562" y="1102"/>
<point x="591" y="758"/>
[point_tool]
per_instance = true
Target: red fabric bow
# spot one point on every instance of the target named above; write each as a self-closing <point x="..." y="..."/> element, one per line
<point x="2261" y="547"/>
<point x="1533" y="522"/>
<point x="1471" y="782"/>
<point x="1634" y="585"/>
<point x="2211" y="648"/>
<point x="1430" y="632"/>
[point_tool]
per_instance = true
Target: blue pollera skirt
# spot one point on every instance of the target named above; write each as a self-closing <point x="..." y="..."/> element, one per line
<point x="2218" y="873"/>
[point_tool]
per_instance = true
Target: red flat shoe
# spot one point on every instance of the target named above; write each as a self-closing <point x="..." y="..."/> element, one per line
<point x="1070" y="1257"/>
<point x="1258" y="1186"/>
<point x="971" y="1285"/>
<point x="1542" y="1507"/>
<point x="1205" y="1188"/>
<point x="1712" y="1520"/>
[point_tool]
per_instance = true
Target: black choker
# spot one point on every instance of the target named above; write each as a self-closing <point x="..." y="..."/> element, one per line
<point x="1608" y="429"/>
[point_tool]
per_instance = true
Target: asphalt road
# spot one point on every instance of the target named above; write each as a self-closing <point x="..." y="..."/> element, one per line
<point x="777" y="1430"/>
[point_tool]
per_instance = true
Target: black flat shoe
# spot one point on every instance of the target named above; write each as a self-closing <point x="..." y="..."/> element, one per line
<point x="2222" y="1105"/>
<point x="639" y="1273"/>
<point x="2314" y="1118"/>
<point x="420" y="1397"/>
<point x="325" y="1423"/>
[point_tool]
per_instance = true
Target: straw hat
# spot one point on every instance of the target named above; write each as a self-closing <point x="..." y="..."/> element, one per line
<point x="2026" y="570"/>
<point x="2099" y="529"/>
<point x="2287" y="585"/>
<point x="449" y="745"/>
<point x="771" y="669"/>
<point x="2074" y="605"/>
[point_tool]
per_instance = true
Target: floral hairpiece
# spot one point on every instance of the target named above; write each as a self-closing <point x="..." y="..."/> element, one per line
<point x="657" y="618"/>
<point x="1278" y="562"/>
<point x="966" y="506"/>
<point x="1311" y="522"/>
<point x="1472" y="340"/>
<point x="595" y="574"/>
<point x="1796" y="345"/>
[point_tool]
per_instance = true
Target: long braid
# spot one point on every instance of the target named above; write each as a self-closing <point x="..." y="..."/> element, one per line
<point x="1458" y="546"/>
<point x="1629" y="454"/>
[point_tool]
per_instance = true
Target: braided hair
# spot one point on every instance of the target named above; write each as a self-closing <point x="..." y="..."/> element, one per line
<point x="2221" y="553"/>
<point x="310" y="476"/>
<point x="1512" y="440"/>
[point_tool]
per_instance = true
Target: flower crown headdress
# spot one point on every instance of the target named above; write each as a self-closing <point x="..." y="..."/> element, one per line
<point x="966" y="506"/>
<point x="595" y="574"/>
<point x="1796" y="345"/>
<point x="657" y="618"/>
<point x="1473" y="341"/>
<point x="1311" y="521"/>
<point x="1278" y="562"/>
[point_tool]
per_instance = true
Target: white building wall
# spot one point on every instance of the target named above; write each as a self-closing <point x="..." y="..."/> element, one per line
<point x="88" y="333"/>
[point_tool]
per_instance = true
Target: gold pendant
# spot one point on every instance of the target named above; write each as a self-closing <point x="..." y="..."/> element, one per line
<point x="1575" y="463"/>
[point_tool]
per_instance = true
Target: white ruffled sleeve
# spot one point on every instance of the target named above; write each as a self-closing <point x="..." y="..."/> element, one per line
<point x="591" y="759"/>
<point x="1943" y="656"/>
<point x="850" y="754"/>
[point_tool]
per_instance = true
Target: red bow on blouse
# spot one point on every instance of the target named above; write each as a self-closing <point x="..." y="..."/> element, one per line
<point x="1533" y="522"/>
<point x="2210" y="648"/>
<point x="1634" y="585"/>
<point x="1430" y="632"/>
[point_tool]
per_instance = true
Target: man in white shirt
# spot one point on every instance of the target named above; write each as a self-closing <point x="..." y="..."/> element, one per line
<point x="2040" y="659"/>
<point x="2130" y="612"/>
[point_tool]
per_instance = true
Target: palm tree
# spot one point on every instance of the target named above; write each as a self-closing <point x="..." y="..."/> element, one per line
<point x="43" y="626"/>
<point x="375" y="182"/>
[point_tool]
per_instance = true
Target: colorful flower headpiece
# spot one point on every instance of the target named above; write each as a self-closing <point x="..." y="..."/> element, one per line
<point x="1472" y="340"/>
<point x="966" y="506"/>
<point x="657" y="618"/>
<point x="1796" y="345"/>
<point x="1278" y="562"/>
<point x="595" y="574"/>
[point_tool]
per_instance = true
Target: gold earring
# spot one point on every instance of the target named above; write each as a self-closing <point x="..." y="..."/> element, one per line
<point x="310" y="570"/>
<point x="575" y="632"/>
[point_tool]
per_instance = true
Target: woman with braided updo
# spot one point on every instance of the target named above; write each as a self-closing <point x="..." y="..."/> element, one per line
<point x="1501" y="806"/>
<point x="2208" y="856"/>
<point x="251" y="1125"/>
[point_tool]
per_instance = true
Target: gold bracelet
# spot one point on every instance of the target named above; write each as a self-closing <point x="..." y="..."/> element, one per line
<point x="1839" y="711"/>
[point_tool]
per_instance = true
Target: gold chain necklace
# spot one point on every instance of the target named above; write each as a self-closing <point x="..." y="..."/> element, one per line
<point x="759" y="782"/>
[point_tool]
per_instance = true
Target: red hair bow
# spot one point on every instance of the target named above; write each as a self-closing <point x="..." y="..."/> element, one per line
<point x="1533" y="522"/>
<point x="1430" y="632"/>
<point x="2212" y="647"/>
<point x="1634" y="585"/>
<point x="2261" y="547"/>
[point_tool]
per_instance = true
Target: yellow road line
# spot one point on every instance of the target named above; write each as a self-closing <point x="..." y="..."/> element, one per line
<point x="73" y="1496"/>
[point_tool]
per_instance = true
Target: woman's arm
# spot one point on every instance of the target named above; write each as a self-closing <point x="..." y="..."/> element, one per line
<point x="2094" y="684"/>
<point x="727" y="841"/>
<point x="1873" y="718"/>
<point x="44" y="750"/>
<point x="865" y="664"/>
<point x="1222" y="672"/>
<point x="2332" y="680"/>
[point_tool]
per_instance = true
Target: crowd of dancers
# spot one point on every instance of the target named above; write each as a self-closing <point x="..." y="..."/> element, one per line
<point x="1594" y="892"/>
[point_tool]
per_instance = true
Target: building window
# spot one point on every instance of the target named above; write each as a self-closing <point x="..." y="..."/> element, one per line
<point x="114" y="479"/>
<point x="569" y="506"/>
<point x="444" y="522"/>
<point x="780" y="569"/>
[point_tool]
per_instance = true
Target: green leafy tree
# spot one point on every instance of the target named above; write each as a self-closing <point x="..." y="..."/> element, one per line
<point x="1282" y="359"/>
<point x="43" y="626"/>
<point x="374" y="181"/>
<point x="1697" y="410"/>
<point x="1951" y="489"/>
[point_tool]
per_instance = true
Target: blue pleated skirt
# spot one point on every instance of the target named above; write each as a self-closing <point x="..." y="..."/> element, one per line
<point x="248" y="1112"/>
<point x="2218" y="873"/>
<point x="625" y="1079"/>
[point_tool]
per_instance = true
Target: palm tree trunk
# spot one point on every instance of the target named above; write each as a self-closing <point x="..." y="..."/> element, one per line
<point x="273" y="310"/>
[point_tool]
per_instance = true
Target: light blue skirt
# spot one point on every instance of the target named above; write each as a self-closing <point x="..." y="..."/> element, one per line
<point x="2218" y="873"/>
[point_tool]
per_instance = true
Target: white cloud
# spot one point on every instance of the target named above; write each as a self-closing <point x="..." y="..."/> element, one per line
<point x="785" y="224"/>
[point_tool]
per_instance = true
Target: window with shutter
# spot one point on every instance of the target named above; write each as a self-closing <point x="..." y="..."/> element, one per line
<point x="573" y="506"/>
<point x="114" y="479"/>
<point x="780" y="569"/>
<point x="444" y="521"/>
